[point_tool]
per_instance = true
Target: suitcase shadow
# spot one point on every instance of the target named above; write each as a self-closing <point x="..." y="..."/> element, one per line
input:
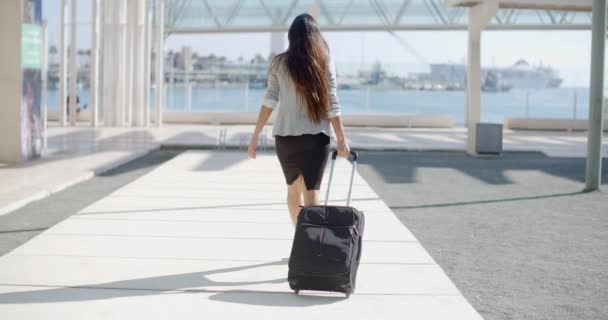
<point x="275" y="299"/>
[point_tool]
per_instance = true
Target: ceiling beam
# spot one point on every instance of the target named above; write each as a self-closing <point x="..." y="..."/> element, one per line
<point x="564" y="5"/>
<point x="372" y="28"/>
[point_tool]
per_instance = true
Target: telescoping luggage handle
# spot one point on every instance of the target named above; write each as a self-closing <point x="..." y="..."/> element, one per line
<point x="334" y="155"/>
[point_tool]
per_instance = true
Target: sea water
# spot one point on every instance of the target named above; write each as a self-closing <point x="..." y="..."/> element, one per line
<point x="567" y="103"/>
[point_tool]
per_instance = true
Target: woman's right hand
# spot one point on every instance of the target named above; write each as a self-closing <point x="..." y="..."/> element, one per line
<point x="343" y="149"/>
<point x="252" y="147"/>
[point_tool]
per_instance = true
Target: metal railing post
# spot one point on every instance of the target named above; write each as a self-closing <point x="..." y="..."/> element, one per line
<point x="367" y="99"/>
<point x="575" y="104"/>
<point x="573" y="127"/>
<point x="246" y="94"/>
<point x="527" y="104"/>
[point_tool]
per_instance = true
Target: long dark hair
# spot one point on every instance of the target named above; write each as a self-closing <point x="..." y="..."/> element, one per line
<point x="306" y="60"/>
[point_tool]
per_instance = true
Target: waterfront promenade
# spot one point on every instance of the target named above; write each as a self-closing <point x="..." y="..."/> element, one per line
<point x="205" y="234"/>
<point x="77" y="154"/>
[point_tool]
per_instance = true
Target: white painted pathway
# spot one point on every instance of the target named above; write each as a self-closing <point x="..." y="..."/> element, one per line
<point x="207" y="236"/>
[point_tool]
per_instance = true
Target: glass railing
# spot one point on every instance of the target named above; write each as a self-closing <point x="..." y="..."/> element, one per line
<point x="561" y="103"/>
<point x="565" y="103"/>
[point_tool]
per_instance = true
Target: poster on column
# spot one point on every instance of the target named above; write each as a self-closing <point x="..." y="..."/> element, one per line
<point x="31" y="63"/>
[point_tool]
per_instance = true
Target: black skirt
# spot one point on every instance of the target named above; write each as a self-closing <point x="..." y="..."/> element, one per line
<point x="306" y="154"/>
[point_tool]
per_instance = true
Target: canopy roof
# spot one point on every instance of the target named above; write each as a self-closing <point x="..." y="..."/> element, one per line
<point x="565" y="5"/>
<point x="198" y="16"/>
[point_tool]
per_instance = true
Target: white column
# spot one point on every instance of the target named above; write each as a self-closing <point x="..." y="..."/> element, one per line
<point x="114" y="78"/>
<point x="11" y="77"/>
<point x="108" y="48"/>
<point x="147" y="69"/>
<point x="596" y="97"/>
<point x="63" y="76"/>
<point x="138" y="61"/>
<point x="120" y="52"/>
<point x="130" y="68"/>
<point x="94" y="90"/>
<point x="479" y="16"/>
<point x="160" y="74"/>
<point x="73" y="61"/>
<point x="473" y="87"/>
<point x="100" y="59"/>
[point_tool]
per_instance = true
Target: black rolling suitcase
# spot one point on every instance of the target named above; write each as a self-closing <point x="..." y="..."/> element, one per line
<point x="327" y="244"/>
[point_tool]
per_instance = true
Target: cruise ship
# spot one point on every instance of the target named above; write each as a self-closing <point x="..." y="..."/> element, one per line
<point x="520" y="75"/>
<point x="523" y="75"/>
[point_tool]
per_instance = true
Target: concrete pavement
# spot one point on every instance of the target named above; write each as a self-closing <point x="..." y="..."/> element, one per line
<point x="207" y="235"/>
<point x="79" y="153"/>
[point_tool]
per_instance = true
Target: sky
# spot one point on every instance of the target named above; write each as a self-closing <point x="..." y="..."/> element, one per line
<point x="567" y="51"/>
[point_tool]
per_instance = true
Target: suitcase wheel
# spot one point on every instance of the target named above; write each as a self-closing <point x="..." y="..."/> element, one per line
<point x="348" y="292"/>
<point x="297" y="291"/>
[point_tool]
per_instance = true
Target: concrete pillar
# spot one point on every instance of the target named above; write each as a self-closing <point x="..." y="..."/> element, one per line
<point x="63" y="63"/>
<point x="129" y="56"/>
<point x="147" y="69"/>
<point x="21" y="67"/>
<point x="94" y="83"/>
<point x="121" y="65"/>
<point x="100" y="59"/>
<point x="159" y="59"/>
<point x="73" y="61"/>
<point x="108" y="83"/>
<point x="10" y="81"/>
<point x="479" y="16"/>
<point x="473" y="113"/>
<point x="124" y="62"/>
<point x="596" y="97"/>
<point x="138" y="16"/>
<point x="114" y="80"/>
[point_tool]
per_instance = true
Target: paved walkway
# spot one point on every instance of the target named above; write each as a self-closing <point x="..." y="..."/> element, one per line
<point x="78" y="153"/>
<point x="207" y="236"/>
<point x="516" y="235"/>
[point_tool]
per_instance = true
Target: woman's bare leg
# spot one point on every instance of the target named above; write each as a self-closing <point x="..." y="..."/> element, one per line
<point x="311" y="197"/>
<point x="294" y="198"/>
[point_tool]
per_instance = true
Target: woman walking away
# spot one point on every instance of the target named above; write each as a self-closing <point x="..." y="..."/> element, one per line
<point x="303" y="79"/>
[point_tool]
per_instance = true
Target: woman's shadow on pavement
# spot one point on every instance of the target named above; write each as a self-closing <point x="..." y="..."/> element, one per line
<point x="192" y="282"/>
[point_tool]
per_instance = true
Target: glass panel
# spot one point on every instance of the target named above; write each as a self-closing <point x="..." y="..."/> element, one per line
<point x="542" y="103"/>
<point x="345" y="13"/>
